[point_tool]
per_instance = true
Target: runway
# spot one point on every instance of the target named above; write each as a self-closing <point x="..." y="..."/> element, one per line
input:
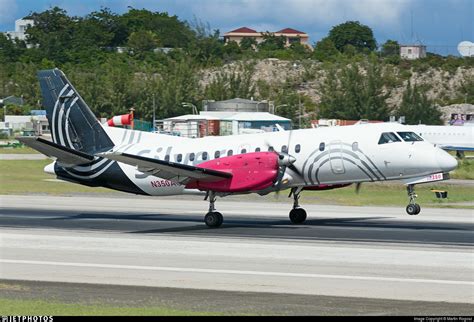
<point x="356" y="252"/>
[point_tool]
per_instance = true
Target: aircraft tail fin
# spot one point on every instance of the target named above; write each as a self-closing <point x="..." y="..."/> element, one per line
<point x="72" y="123"/>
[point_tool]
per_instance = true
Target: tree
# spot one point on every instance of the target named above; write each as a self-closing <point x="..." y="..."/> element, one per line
<point x="298" y="49"/>
<point x="352" y="94"/>
<point x="236" y="83"/>
<point x="391" y="48"/>
<point x="272" y="42"/>
<point x="352" y="33"/>
<point x="248" y="43"/>
<point x="325" y="50"/>
<point x="232" y="50"/>
<point x="52" y="32"/>
<point x="142" y="41"/>
<point x="170" y="30"/>
<point x="10" y="49"/>
<point x="417" y="108"/>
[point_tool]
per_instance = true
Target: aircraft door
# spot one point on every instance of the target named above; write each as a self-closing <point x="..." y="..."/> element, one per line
<point x="336" y="157"/>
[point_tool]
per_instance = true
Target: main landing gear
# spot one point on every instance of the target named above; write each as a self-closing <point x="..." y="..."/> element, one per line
<point x="413" y="208"/>
<point x="297" y="214"/>
<point x="213" y="219"/>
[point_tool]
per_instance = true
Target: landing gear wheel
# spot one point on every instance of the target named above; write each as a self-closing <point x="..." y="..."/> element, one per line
<point x="214" y="219"/>
<point x="413" y="209"/>
<point x="298" y="216"/>
<point x="418" y="209"/>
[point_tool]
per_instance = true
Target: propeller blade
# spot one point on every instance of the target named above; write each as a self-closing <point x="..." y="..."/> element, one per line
<point x="295" y="169"/>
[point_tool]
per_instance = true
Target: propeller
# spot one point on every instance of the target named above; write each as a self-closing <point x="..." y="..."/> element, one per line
<point x="285" y="160"/>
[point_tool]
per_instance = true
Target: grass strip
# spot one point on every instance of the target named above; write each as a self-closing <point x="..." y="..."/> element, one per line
<point x="18" y="307"/>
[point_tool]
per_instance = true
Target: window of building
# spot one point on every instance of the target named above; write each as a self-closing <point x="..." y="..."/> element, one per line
<point x="217" y="154"/>
<point x="191" y="157"/>
<point x="388" y="137"/>
<point x="293" y="40"/>
<point x="409" y="136"/>
<point x="229" y="153"/>
<point x="322" y="146"/>
<point x="297" y="148"/>
<point x="179" y="158"/>
<point x="204" y="155"/>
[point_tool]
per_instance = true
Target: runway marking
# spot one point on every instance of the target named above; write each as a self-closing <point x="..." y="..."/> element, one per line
<point x="235" y="272"/>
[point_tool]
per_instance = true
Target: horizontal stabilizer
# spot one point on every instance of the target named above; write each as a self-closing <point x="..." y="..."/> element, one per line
<point x="64" y="155"/>
<point x="167" y="170"/>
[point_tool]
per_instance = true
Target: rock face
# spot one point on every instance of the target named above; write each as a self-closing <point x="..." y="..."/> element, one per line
<point x="308" y="76"/>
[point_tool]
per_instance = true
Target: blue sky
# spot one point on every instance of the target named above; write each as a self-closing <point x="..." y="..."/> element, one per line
<point x="440" y="24"/>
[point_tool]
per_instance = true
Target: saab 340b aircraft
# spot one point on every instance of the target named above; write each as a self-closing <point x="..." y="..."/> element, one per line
<point x="89" y="153"/>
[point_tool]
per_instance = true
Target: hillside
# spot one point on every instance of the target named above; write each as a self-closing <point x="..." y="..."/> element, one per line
<point x="165" y="61"/>
<point x="442" y="86"/>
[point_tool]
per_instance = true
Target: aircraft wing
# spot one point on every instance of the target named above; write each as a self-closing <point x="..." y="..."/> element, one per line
<point x="167" y="170"/>
<point x="63" y="155"/>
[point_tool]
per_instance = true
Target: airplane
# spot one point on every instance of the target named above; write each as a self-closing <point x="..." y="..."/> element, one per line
<point x="449" y="138"/>
<point x="144" y="163"/>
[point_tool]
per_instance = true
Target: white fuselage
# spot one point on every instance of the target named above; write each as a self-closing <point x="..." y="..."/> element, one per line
<point x="447" y="137"/>
<point x="335" y="155"/>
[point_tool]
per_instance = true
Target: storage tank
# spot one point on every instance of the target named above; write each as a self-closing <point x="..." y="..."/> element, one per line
<point x="237" y="105"/>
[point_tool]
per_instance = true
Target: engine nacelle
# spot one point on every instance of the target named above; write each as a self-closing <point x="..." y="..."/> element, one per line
<point x="250" y="172"/>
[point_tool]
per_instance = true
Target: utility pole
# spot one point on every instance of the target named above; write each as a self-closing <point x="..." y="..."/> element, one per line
<point x="299" y="104"/>
<point x="154" y="120"/>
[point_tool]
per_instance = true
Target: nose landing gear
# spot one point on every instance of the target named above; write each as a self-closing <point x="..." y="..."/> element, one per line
<point x="213" y="219"/>
<point x="413" y="208"/>
<point x="297" y="214"/>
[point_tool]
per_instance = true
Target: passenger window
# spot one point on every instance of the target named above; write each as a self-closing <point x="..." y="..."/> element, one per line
<point x="409" y="136"/>
<point x="297" y="148"/>
<point x="167" y="158"/>
<point x="284" y="149"/>
<point x="179" y="158"/>
<point x="322" y="146"/>
<point x="388" y="137"/>
<point x="257" y="150"/>
<point x="204" y="155"/>
<point x="355" y="146"/>
<point x="217" y="154"/>
<point x="271" y="149"/>
<point x="229" y="153"/>
<point x="191" y="157"/>
<point x="243" y="151"/>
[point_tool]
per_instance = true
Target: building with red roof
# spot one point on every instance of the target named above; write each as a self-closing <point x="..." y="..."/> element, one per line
<point x="291" y="36"/>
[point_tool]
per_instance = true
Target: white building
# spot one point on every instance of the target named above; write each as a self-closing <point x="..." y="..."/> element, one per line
<point x="224" y="123"/>
<point x="412" y="51"/>
<point x="20" y="28"/>
<point x="37" y="124"/>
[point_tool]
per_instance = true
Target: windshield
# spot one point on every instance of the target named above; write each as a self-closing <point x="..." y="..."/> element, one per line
<point x="388" y="137"/>
<point x="409" y="136"/>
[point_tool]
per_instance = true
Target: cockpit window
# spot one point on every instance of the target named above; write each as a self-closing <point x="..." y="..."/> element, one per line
<point x="388" y="137"/>
<point x="409" y="136"/>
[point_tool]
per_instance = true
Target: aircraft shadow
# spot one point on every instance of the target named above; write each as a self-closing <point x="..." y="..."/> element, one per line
<point x="149" y="223"/>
